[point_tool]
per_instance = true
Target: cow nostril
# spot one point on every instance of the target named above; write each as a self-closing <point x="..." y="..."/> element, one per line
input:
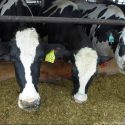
<point x="30" y="106"/>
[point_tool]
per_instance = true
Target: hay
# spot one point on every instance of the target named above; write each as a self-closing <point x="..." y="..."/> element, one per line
<point x="105" y="105"/>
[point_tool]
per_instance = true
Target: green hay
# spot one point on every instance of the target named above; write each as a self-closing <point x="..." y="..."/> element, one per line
<point x="105" y="104"/>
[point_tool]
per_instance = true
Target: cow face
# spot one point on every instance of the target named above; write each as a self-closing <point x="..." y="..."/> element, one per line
<point x="26" y="54"/>
<point x="107" y="33"/>
<point x="120" y="51"/>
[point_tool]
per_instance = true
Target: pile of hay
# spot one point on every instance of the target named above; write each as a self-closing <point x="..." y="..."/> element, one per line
<point x="105" y="105"/>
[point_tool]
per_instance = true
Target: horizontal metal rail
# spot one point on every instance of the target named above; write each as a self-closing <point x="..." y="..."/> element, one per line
<point x="37" y="19"/>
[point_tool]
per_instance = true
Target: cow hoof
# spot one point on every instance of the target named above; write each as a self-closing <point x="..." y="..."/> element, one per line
<point x="80" y="98"/>
<point x="29" y="106"/>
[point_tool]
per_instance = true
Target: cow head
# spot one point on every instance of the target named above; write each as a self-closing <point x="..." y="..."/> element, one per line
<point x="115" y="36"/>
<point x="116" y="40"/>
<point x="26" y="53"/>
<point x="120" y="51"/>
<point x="107" y="33"/>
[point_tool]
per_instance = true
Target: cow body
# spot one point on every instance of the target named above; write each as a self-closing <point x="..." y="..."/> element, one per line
<point x="73" y="37"/>
<point x="108" y="40"/>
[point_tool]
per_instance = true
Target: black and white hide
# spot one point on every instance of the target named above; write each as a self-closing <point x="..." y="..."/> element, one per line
<point x="108" y="40"/>
<point x="73" y="37"/>
<point x="12" y="8"/>
<point x="26" y="51"/>
<point x="121" y="6"/>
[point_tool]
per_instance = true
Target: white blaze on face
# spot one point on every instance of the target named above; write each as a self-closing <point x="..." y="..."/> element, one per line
<point x="27" y="42"/>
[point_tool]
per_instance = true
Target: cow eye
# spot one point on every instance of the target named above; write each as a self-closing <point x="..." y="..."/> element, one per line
<point x="121" y="42"/>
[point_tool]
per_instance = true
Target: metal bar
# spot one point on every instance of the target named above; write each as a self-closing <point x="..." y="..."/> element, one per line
<point x="60" y="20"/>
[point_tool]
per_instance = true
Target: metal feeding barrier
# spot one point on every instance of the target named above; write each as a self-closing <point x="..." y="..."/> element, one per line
<point x="37" y="19"/>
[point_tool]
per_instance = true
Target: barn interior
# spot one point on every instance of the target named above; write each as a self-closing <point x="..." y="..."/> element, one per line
<point x="106" y="103"/>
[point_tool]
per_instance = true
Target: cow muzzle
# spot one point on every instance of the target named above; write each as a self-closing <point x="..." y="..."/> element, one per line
<point x="30" y="105"/>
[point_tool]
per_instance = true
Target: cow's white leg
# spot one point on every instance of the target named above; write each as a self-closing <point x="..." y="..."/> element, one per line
<point x="85" y="66"/>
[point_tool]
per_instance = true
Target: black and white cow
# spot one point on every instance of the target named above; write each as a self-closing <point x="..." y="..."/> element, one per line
<point x="73" y="37"/>
<point x="108" y="40"/>
<point x="26" y="51"/>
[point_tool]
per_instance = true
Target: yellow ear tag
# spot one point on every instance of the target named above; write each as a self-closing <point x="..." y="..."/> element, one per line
<point x="50" y="57"/>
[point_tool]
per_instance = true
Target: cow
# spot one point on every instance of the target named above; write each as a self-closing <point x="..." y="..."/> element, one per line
<point x="72" y="36"/>
<point x="26" y="52"/>
<point x="108" y="40"/>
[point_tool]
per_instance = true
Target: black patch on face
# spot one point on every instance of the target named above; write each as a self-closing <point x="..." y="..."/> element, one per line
<point x="101" y="13"/>
<point x="19" y="69"/>
<point x="89" y="82"/>
<point x="35" y="67"/>
<point x="89" y="11"/>
<point x="75" y="79"/>
<point x="20" y="74"/>
<point x="35" y="73"/>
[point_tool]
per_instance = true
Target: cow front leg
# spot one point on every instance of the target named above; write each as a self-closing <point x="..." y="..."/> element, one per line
<point x="84" y="69"/>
